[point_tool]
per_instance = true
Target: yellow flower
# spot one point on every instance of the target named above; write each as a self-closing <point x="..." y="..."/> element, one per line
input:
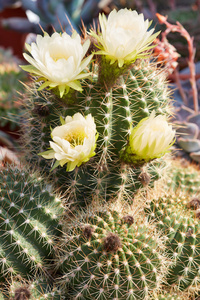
<point x="124" y="36"/>
<point x="74" y="142"/>
<point x="58" y="60"/>
<point x="152" y="137"/>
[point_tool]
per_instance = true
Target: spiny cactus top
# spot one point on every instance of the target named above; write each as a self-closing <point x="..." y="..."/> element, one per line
<point x="28" y="223"/>
<point x="108" y="255"/>
<point x="178" y="217"/>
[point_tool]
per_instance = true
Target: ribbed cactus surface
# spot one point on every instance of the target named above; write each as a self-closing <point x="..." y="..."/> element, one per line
<point x="28" y="223"/>
<point x="108" y="255"/>
<point x="183" y="177"/>
<point x="178" y="218"/>
<point x="115" y="111"/>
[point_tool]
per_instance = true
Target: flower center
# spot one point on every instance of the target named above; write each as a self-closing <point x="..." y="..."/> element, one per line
<point x="157" y="127"/>
<point x="57" y="53"/>
<point x="76" y="138"/>
<point x="123" y="26"/>
<point x="57" y="56"/>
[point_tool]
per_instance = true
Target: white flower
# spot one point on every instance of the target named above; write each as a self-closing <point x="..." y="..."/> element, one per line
<point x="124" y="36"/>
<point x="58" y="60"/>
<point x="152" y="137"/>
<point x="74" y="142"/>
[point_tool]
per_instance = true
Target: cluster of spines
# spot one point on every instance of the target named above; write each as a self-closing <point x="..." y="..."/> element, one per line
<point x="29" y="223"/>
<point x="109" y="256"/>
<point x="39" y="289"/>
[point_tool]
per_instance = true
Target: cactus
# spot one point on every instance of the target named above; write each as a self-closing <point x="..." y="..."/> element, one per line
<point x="178" y="218"/>
<point x="102" y="112"/>
<point x="108" y="254"/>
<point x="140" y="91"/>
<point x="183" y="176"/>
<point x="39" y="289"/>
<point x="28" y="223"/>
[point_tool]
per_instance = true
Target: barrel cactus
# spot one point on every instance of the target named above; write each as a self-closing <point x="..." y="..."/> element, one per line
<point x="178" y="218"/>
<point x="110" y="254"/>
<point x="118" y="115"/>
<point x="29" y="223"/>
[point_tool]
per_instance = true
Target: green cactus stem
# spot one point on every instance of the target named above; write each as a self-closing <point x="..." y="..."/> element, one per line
<point x="178" y="218"/>
<point x="183" y="176"/>
<point x="29" y="223"/>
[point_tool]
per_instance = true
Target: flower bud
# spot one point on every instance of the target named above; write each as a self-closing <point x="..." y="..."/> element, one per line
<point x="150" y="139"/>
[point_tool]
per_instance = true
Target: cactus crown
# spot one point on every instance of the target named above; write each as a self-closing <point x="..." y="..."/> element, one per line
<point x="118" y="259"/>
<point x="39" y="289"/>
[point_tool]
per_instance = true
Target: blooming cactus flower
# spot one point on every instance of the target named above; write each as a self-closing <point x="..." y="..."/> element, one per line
<point x="124" y="36"/>
<point x="58" y="60"/>
<point x="152" y="137"/>
<point x="74" y="141"/>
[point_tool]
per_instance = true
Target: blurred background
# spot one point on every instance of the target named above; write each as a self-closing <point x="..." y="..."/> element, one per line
<point x="19" y="20"/>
